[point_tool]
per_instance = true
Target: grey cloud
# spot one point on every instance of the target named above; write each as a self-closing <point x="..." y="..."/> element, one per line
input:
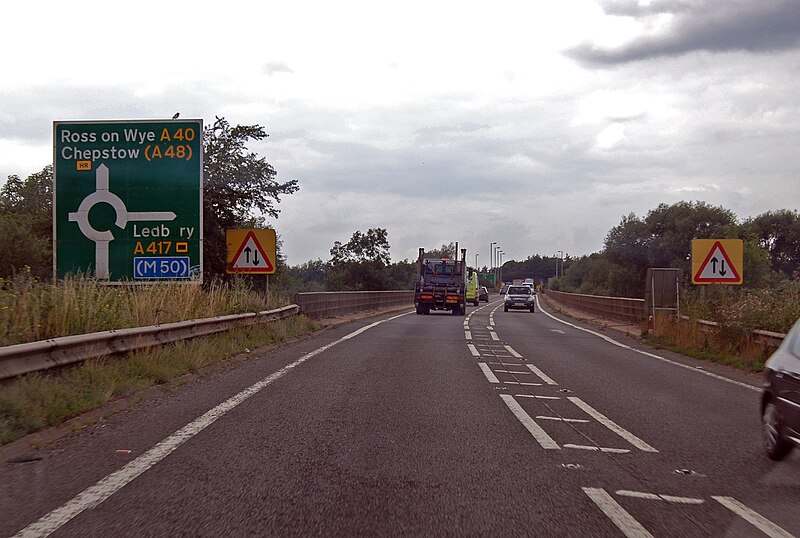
<point x="755" y="26"/>
<point x="271" y="68"/>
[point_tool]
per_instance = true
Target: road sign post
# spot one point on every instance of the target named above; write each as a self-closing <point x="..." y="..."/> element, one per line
<point x="128" y="200"/>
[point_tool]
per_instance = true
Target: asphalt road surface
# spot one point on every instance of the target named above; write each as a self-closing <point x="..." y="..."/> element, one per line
<point x="494" y="424"/>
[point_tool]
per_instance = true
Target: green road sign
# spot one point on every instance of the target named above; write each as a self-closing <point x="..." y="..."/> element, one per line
<point x="128" y="200"/>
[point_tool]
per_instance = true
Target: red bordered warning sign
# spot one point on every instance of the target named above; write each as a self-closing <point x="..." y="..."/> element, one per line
<point x="251" y="251"/>
<point x="717" y="261"/>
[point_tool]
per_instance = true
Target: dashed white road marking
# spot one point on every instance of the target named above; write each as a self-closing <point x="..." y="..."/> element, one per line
<point x="468" y="335"/>
<point x="541" y="375"/>
<point x="494" y="336"/>
<point x="537" y="397"/>
<point x="598" y="448"/>
<point x="511" y="350"/>
<point x="562" y="419"/>
<point x="533" y="428"/>
<point x="655" y="497"/>
<point x="522" y="384"/>
<point x="488" y="373"/>
<point x="473" y="350"/>
<point x="513" y="372"/>
<point x="559" y="331"/>
<point x="611" y="425"/>
<point x="105" y="488"/>
<point x="616" y="513"/>
<point x="754" y="518"/>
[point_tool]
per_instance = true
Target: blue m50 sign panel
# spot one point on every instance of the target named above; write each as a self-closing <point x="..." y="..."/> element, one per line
<point x="128" y="200"/>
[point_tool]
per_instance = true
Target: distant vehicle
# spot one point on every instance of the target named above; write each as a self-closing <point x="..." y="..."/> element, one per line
<point x="503" y="289"/>
<point x="521" y="297"/>
<point x="472" y="288"/>
<point x="441" y="284"/>
<point x="483" y="294"/>
<point x="780" y="399"/>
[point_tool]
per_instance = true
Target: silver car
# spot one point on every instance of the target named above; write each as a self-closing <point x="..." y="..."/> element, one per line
<point x="521" y="297"/>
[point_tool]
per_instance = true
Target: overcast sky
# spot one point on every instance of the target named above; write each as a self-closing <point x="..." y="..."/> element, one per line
<point x="535" y="125"/>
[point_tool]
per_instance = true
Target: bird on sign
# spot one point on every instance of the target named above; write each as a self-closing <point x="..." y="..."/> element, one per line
<point x="175" y="117"/>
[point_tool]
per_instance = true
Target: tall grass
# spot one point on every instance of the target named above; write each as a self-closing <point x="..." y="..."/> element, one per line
<point x="31" y="311"/>
<point x="35" y="401"/>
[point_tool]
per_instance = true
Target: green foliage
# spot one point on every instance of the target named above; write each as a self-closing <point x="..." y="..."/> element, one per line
<point x="26" y="230"/>
<point x="236" y="183"/>
<point x="778" y="233"/>
<point x="445" y="251"/>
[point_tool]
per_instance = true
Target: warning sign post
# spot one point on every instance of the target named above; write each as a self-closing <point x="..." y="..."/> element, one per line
<point x="717" y="261"/>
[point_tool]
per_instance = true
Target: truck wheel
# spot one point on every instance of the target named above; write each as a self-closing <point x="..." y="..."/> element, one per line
<point x="533" y="309"/>
<point x="419" y="310"/>
<point x="426" y="310"/>
<point x="505" y="309"/>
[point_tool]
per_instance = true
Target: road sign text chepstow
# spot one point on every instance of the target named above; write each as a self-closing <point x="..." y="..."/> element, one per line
<point x="128" y="199"/>
<point x="717" y="261"/>
<point x="251" y="251"/>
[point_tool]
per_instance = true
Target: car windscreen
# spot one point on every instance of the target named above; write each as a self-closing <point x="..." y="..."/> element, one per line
<point x="519" y="290"/>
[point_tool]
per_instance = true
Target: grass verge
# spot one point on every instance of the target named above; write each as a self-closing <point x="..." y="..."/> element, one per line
<point x="40" y="400"/>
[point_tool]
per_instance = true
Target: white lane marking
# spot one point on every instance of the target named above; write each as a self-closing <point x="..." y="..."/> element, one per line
<point x="505" y="363"/>
<point x="522" y="384"/>
<point x="468" y="335"/>
<point x="559" y="331"/>
<point x="514" y="353"/>
<point x="611" y="425"/>
<point x="105" y="488"/>
<point x="541" y="375"/>
<point x="494" y="336"/>
<point x="490" y="328"/>
<point x="533" y="428"/>
<point x="513" y="372"/>
<point x="488" y="373"/>
<point x="598" y="448"/>
<point x="653" y="355"/>
<point x="473" y="350"/>
<point x="537" y="397"/>
<point x="655" y="497"/>
<point x="617" y="514"/>
<point x="754" y="518"/>
<point x="576" y="420"/>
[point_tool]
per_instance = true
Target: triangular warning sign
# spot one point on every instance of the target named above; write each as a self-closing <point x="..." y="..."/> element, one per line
<point x="250" y="257"/>
<point x="717" y="267"/>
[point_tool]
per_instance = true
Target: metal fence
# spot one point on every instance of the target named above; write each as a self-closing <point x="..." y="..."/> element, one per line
<point x="616" y="308"/>
<point x="317" y="305"/>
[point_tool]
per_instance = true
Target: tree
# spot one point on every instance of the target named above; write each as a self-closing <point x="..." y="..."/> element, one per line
<point x="778" y="233"/>
<point x="445" y="251"/>
<point x="236" y="184"/>
<point x="361" y="263"/>
<point x="372" y="246"/>
<point x="26" y="229"/>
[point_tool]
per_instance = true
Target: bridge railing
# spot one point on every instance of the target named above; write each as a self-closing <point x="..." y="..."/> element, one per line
<point x="615" y="308"/>
<point x="323" y="304"/>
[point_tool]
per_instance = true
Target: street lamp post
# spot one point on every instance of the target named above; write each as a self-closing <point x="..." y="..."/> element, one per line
<point x="500" y="270"/>
<point x="560" y="257"/>
<point x="476" y="261"/>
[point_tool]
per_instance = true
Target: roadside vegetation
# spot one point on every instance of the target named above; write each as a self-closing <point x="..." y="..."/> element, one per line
<point x="39" y="400"/>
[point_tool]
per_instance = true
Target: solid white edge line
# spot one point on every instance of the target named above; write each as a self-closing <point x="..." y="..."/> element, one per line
<point x="611" y="425"/>
<point x="533" y="428"/>
<point x="754" y="518"/>
<point x="541" y="375"/>
<point x="106" y="487"/>
<point x="651" y="355"/>
<point x="616" y="513"/>
<point x="488" y="373"/>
